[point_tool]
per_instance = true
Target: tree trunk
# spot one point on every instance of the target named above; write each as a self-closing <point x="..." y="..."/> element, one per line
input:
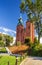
<point x="38" y="39"/>
<point x="38" y="35"/>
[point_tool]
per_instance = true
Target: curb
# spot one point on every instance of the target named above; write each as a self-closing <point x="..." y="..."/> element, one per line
<point x="24" y="61"/>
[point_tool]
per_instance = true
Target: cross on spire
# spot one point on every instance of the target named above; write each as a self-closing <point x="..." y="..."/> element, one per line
<point x="20" y="21"/>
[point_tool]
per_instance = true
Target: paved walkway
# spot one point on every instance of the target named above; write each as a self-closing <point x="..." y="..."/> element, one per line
<point x="3" y="54"/>
<point x="32" y="61"/>
<point x="9" y="52"/>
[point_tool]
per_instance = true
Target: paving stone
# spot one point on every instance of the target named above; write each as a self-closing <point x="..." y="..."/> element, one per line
<point x="32" y="61"/>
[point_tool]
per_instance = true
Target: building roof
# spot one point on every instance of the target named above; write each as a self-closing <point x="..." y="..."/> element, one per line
<point x="17" y="49"/>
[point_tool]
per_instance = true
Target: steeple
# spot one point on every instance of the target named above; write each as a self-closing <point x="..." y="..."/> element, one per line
<point x="20" y="21"/>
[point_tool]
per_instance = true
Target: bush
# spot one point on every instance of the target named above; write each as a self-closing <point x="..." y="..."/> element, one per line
<point x="35" y="41"/>
<point x="3" y="50"/>
<point x="2" y="43"/>
<point x="36" y="51"/>
<point x="18" y="43"/>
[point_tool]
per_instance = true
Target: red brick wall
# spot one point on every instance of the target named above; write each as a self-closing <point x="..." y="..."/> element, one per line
<point x="33" y="35"/>
<point x="21" y="34"/>
<point x="30" y="30"/>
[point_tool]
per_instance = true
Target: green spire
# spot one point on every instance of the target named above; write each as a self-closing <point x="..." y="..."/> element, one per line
<point x="20" y="21"/>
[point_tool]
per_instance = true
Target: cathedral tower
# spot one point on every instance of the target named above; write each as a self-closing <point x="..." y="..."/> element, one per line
<point x="30" y="30"/>
<point x="20" y="31"/>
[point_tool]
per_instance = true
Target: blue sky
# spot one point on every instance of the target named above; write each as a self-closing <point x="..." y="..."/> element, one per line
<point x="9" y="13"/>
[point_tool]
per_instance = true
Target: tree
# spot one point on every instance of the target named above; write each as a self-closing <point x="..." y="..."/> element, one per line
<point x="2" y="43"/>
<point x="33" y="10"/>
<point x="38" y="29"/>
<point x="8" y="39"/>
<point x="35" y="41"/>
<point x="0" y="37"/>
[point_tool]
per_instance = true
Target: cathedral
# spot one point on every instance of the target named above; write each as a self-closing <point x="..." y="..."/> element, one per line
<point x="23" y="32"/>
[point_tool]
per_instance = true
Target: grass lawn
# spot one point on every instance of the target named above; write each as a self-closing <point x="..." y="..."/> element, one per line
<point x="12" y="59"/>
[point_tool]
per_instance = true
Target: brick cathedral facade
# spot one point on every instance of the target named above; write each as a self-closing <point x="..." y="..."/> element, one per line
<point x="22" y="33"/>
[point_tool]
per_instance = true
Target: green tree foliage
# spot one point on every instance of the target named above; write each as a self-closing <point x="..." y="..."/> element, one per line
<point x="33" y="10"/>
<point x="5" y="40"/>
<point x="37" y="50"/>
<point x="1" y="40"/>
<point x="2" y="43"/>
<point x="35" y="41"/>
<point x="0" y="36"/>
<point x="8" y="40"/>
<point x="3" y="50"/>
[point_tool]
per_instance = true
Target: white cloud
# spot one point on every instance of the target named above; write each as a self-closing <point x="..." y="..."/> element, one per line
<point x="0" y="32"/>
<point x="7" y="30"/>
<point x="3" y="33"/>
